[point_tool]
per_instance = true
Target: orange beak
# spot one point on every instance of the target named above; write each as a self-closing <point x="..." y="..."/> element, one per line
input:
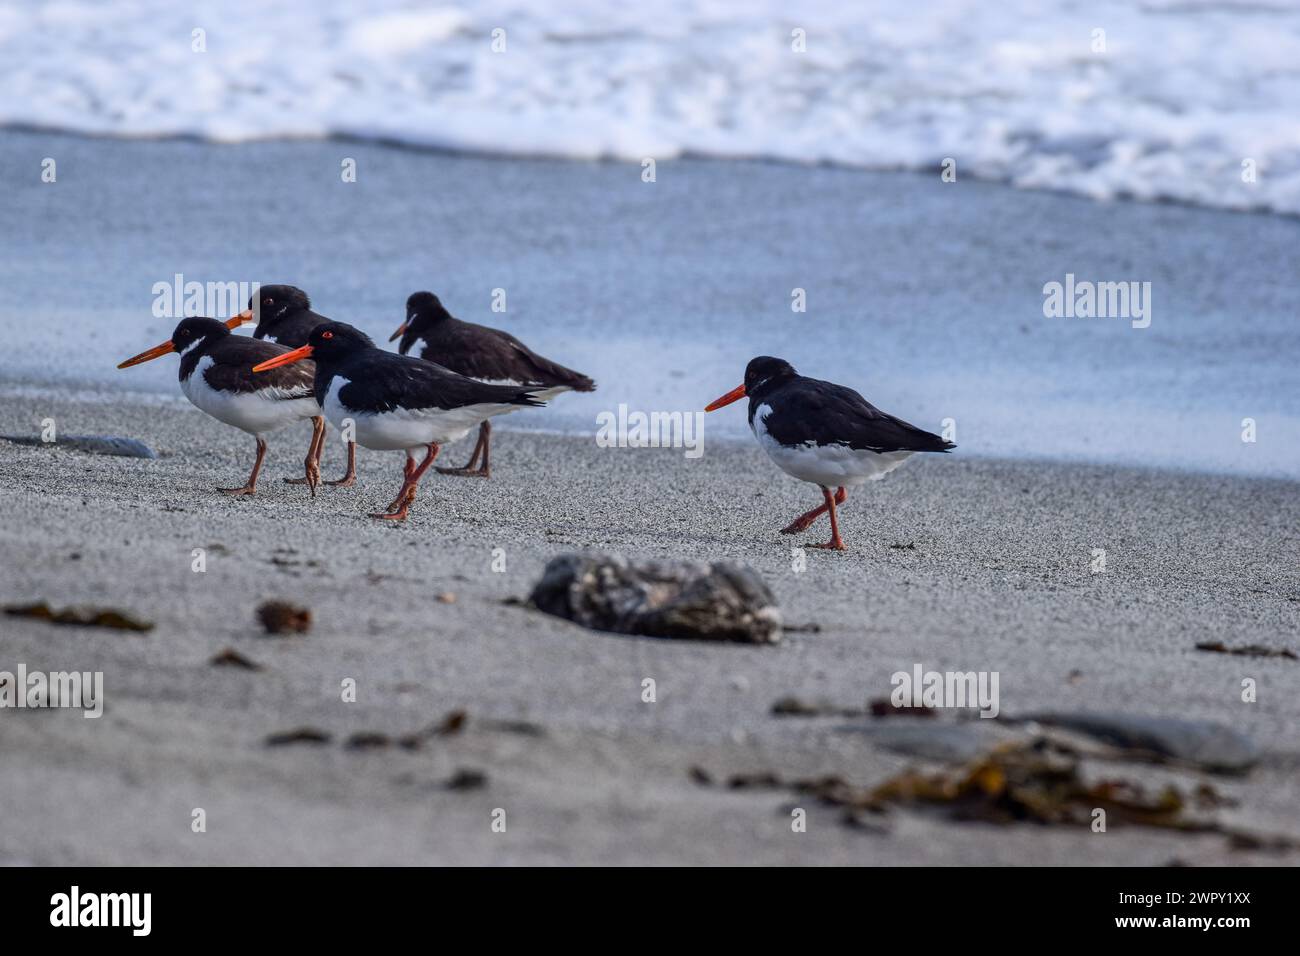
<point x="734" y="395"/>
<point x="235" y="321"/>
<point x="288" y="358"/>
<point x="401" y="330"/>
<point x="149" y="354"/>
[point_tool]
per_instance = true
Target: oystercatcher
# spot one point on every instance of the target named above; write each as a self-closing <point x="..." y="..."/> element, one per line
<point x="824" y="433"/>
<point x="485" y="354"/>
<point x="397" y="403"/>
<point x="215" y="376"/>
<point x="285" y="317"/>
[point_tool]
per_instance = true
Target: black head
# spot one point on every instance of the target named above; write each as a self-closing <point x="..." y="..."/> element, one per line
<point x="190" y="332"/>
<point x="335" y="341"/>
<point x="276" y="302"/>
<point x="765" y="373"/>
<point x="423" y="311"/>
<point x="761" y="376"/>
<point x="330" y="343"/>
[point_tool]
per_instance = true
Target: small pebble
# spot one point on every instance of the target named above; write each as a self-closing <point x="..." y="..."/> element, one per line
<point x="280" y="617"/>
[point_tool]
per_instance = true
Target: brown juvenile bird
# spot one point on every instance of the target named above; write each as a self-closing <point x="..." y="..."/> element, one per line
<point x="485" y="354"/>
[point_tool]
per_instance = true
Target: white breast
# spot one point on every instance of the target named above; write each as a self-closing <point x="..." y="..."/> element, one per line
<point x="254" y="412"/>
<point x="404" y="428"/>
<point x="828" y="465"/>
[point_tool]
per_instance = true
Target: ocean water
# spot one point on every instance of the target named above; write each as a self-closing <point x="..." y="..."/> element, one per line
<point x="925" y="296"/>
<point x="1163" y="99"/>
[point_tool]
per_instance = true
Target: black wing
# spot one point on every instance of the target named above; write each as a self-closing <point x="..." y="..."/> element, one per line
<point x="381" y="381"/>
<point x="809" y="409"/>
<point x="232" y="369"/>
<point x="493" y="355"/>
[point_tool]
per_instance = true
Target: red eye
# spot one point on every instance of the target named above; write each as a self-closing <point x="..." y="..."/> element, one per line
<point x="327" y="335"/>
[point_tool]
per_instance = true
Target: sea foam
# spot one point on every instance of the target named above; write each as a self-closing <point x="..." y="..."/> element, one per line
<point x="1183" y="94"/>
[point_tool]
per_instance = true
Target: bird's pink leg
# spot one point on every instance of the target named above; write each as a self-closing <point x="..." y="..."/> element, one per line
<point x="401" y="504"/>
<point x="481" y="446"/>
<point x="407" y="468"/>
<point x="836" y="543"/>
<point x="350" y="477"/>
<point x="804" y="521"/>
<point x="311" y="467"/>
<point x="250" y="487"/>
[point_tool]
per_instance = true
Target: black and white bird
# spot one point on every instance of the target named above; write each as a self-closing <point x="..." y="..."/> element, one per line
<point x="216" y="375"/>
<point x="823" y="433"/>
<point x="285" y="317"/>
<point x="397" y="403"/>
<point x="485" y="354"/>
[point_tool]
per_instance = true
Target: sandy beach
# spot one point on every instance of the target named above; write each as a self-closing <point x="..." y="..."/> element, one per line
<point x="1074" y="437"/>
<point x="1056" y="240"/>
<point x="957" y="563"/>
